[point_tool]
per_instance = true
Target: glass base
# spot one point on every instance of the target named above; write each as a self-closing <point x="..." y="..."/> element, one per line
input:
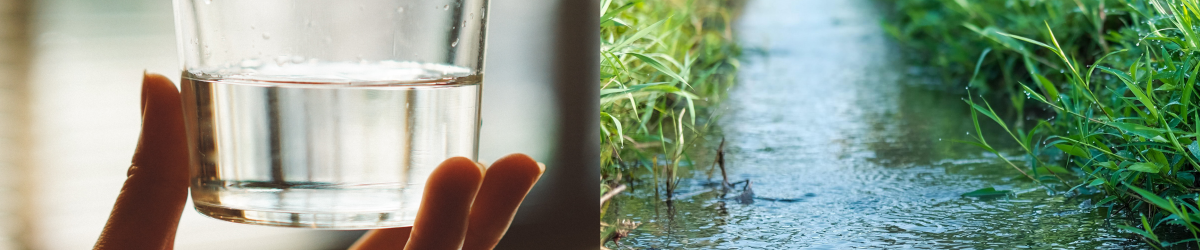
<point x="337" y="221"/>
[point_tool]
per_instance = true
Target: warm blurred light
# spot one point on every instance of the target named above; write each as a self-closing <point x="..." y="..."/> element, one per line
<point x="85" y="80"/>
<point x="13" y="108"/>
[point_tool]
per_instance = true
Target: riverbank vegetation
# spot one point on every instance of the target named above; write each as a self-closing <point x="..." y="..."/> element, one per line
<point x="1110" y="90"/>
<point x="664" y="64"/>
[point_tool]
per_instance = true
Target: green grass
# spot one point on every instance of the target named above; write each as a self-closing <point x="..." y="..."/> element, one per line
<point x="1117" y="78"/>
<point x="664" y="64"/>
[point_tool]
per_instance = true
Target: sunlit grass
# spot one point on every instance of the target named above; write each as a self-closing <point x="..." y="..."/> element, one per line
<point x="1118" y="78"/>
<point x="664" y="64"/>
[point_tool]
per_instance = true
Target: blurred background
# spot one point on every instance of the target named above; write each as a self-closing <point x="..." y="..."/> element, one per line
<point x="70" y="74"/>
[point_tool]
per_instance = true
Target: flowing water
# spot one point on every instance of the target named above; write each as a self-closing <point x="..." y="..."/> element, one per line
<point x="845" y="148"/>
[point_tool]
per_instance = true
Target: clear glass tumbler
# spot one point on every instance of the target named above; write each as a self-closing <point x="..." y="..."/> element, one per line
<point x="325" y="113"/>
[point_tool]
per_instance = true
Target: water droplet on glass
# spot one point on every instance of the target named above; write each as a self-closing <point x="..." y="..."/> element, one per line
<point x="446" y="7"/>
<point x="282" y="60"/>
<point x="400" y="10"/>
<point x="250" y="63"/>
<point x="455" y="43"/>
<point x="266" y="36"/>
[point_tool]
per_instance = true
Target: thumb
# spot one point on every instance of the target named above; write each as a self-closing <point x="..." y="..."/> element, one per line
<point x="147" y="210"/>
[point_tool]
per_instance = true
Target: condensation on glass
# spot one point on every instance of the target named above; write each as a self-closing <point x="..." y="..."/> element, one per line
<point x="326" y="114"/>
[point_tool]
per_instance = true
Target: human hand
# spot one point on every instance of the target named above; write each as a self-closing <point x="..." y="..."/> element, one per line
<point x="460" y="208"/>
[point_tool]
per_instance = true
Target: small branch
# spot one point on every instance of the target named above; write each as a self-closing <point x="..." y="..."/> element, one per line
<point x="611" y="193"/>
<point x="721" y="162"/>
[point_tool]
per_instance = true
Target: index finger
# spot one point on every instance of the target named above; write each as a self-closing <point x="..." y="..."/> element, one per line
<point x="442" y="218"/>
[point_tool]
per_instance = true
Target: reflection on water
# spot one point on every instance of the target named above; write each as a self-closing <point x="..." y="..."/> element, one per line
<point x="827" y="118"/>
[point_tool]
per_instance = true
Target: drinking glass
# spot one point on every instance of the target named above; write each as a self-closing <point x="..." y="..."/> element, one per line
<point x="325" y="113"/>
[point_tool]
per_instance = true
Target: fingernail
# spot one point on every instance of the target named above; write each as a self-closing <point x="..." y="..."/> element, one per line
<point x="143" y="97"/>
<point x="541" y="168"/>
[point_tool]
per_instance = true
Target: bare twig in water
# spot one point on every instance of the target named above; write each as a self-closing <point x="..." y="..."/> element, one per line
<point x="611" y="193"/>
<point x="720" y="161"/>
<point x="747" y="195"/>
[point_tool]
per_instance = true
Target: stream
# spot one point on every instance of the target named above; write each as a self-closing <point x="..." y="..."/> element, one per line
<point x="845" y="148"/>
